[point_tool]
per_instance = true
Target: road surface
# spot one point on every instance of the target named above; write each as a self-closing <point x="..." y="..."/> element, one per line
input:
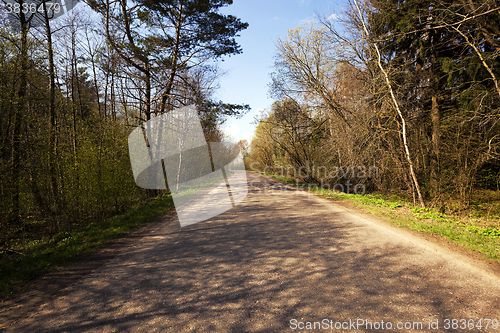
<point x="278" y="262"/>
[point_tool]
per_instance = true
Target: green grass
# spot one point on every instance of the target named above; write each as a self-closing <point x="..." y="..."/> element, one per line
<point x="469" y="230"/>
<point x="41" y="256"/>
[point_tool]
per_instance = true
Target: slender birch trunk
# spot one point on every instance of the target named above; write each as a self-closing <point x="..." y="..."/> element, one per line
<point x="396" y="104"/>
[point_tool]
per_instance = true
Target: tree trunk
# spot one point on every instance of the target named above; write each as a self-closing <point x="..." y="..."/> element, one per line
<point x="18" y="119"/>
<point x="147" y="76"/>
<point x="175" y="56"/>
<point x="396" y="105"/>
<point x="52" y="114"/>
<point x="436" y="134"/>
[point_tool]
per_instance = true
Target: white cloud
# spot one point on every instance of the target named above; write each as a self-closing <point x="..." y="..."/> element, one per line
<point x="234" y="134"/>
<point x="308" y="20"/>
<point x="232" y="131"/>
<point x="334" y="17"/>
<point x="248" y="136"/>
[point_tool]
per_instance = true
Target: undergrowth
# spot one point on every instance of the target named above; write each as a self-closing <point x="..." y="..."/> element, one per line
<point x="18" y="268"/>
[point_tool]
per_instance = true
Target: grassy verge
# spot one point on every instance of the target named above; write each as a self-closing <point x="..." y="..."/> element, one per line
<point x="39" y="258"/>
<point x="467" y="229"/>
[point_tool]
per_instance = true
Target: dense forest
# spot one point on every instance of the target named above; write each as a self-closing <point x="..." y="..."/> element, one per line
<point x="407" y="88"/>
<point x="72" y="89"/>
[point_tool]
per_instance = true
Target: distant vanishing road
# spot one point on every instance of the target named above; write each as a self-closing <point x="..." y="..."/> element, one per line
<point x="272" y="264"/>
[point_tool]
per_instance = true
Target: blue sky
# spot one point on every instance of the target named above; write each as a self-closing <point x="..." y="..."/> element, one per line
<point x="247" y="78"/>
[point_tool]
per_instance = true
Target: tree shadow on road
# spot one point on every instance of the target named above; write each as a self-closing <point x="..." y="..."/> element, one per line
<point x="253" y="269"/>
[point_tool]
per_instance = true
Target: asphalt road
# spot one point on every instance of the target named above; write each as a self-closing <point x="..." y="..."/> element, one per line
<point x="280" y="259"/>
